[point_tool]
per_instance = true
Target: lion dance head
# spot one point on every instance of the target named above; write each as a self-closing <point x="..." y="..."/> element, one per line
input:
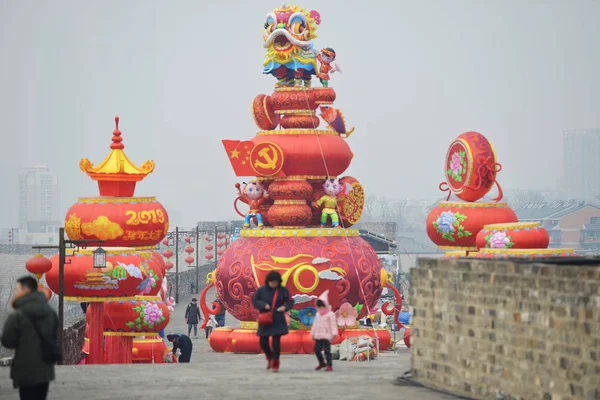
<point x="288" y="34"/>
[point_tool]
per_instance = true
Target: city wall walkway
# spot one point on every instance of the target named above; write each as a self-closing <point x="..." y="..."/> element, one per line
<point x="213" y="375"/>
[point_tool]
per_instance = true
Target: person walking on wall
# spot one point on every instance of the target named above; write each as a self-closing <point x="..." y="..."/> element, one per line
<point x="220" y="317"/>
<point x="192" y="317"/>
<point x="324" y="331"/>
<point x="184" y="344"/>
<point x="272" y="300"/>
<point x="210" y="325"/>
<point x="31" y="331"/>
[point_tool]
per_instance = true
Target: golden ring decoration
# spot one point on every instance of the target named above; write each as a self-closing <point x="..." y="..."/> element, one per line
<point x="109" y="200"/>
<point x="301" y="232"/>
<point x="526" y="251"/>
<point x="511" y="225"/>
<point x="298" y="132"/>
<point x="296" y="112"/>
<point x="131" y="334"/>
<point x="458" y="204"/>
<point x="457" y="248"/>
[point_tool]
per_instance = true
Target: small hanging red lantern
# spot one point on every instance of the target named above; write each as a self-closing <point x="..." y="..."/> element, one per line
<point x="189" y="249"/>
<point x="209" y="256"/>
<point x="188" y="239"/>
<point x="168" y="253"/>
<point x="189" y="259"/>
<point x="46" y="290"/>
<point x="169" y="265"/>
<point x="209" y="247"/>
<point x="220" y="252"/>
<point x="38" y="265"/>
<point x="165" y="241"/>
<point x="207" y="238"/>
<point x="221" y="236"/>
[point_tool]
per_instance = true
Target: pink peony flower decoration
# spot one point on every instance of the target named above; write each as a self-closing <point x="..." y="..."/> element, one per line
<point x="499" y="240"/>
<point x="152" y="313"/>
<point x="456" y="163"/>
<point x="346" y="315"/>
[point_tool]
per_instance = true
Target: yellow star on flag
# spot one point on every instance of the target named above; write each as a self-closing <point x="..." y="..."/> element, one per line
<point x="235" y="153"/>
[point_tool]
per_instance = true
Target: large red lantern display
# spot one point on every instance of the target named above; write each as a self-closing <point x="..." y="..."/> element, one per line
<point x="127" y="222"/>
<point x="302" y="206"/>
<point x="519" y="235"/>
<point x="135" y="317"/>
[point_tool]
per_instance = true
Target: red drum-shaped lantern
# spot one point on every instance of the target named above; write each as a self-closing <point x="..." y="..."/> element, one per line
<point x="134" y="317"/>
<point x="38" y="265"/>
<point x="264" y="113"/>
<point x="219" y="340"/>
<point x="310" y="261"/>
<point x="324" y="96"/>
<point x="293" y="189"/>
<point x="293" y="98"/>
<point x="244" y="341"/>
<point x="385" y="338"/>
<point x="303" y="151"/>
<point x="471" y="167"/>
<point x="518" y="235"/>
<point x="149" y="350"/>
<point x="524" y="253"/>
<point x="168" y="253"/>
<point x="455" y="225"/>
<point x="292" y="343"/>
<point x="128" y="272"/>
<point x="300" y="121"/>
<point x="119" y="222"/>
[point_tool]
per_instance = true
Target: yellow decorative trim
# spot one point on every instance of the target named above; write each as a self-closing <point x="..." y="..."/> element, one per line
<point x="296" y="112"/>
<point x="111" y="250"/>
<point x="292" y="89"/>
<point x="248" y="325"/>
<point x="96" y="200"/>
<point x="460" y="204"/>
<point x="295" y="178"/>
<point x="289" y="202"/>
<point x="298" y="132"/>
<point x="148" y="298"/>
<point x="130" y="333"/>
<point x="457" y="248"/>
<point x="455" y="254"/>
<point x="526" y="251"/>
<point x="511" y="226"/>
<point x="300" y="232"/>
<point x="97" y="299"/>
<point x="138" y="341"/>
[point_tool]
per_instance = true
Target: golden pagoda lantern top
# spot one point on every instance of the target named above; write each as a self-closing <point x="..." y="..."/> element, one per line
<point x="116" y="175"/>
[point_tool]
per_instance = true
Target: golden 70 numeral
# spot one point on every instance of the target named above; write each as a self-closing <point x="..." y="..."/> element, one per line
<point x="145" y="217"/>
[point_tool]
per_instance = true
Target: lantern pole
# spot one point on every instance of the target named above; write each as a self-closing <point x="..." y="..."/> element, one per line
<point x="216" y="247"/>
<point x="197" y="260"/>
<point x="177" y="265"/>
<point x="61" y="289"/>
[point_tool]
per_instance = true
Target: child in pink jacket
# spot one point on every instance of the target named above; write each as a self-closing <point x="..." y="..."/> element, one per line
<point x="324" y="331"/>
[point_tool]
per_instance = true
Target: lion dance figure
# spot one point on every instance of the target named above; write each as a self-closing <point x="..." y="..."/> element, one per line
<point x="288" y="34"/>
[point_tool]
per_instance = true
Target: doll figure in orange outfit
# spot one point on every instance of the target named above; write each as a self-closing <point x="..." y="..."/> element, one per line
<point x="327" y="57"/>
<point x="253" y="194"/>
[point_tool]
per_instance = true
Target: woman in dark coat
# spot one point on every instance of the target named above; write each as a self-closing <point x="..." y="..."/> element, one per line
<point x="263" y="302"/>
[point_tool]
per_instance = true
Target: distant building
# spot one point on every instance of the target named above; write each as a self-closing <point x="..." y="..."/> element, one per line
<point x="38" y="200"/>
<point x="571" y="224"/>
<point x="581" y="170"/>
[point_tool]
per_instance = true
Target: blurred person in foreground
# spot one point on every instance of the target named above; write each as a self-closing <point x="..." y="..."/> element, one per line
<point x="31" y="331"/>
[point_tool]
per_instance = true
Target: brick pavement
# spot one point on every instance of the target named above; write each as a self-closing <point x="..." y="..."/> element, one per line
<point x="213" y="375"/>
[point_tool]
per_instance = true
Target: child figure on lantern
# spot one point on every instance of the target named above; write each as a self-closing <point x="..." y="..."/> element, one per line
<point x="328" y="201"/>
<point x="253" y="194"/>
<point x="326" y="57"/>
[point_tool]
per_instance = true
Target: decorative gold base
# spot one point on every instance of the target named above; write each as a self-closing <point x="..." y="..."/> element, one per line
<point x="298" y="131"/>
<point x="461" y="204"/>
<point x="457" y="248"/>
<point x="300" y="232"/>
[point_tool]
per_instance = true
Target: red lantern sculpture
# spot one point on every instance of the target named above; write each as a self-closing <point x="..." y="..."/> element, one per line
<point x="519" y="235"/>
<point x="209" y="247"/>
<point x="135" y="317"/>
<point x="38" y="265"/>
<point x="209" y="256"/>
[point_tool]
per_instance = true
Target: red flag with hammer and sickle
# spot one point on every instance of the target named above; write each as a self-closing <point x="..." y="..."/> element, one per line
<point x="238" y="153"/>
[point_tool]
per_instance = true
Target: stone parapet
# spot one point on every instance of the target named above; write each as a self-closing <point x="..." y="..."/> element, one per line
<point x="507" y="329"/>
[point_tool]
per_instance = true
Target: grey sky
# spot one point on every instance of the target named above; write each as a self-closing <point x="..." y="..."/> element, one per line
<point x="182" y="74"/>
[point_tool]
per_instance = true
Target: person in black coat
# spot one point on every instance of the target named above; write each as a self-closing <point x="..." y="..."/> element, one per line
<point x="263" y="302"/>
<point x="192" y="317"/>
<point x="184" y="344"/>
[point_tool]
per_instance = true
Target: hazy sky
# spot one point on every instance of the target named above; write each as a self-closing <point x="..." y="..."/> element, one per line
<point x="181" y="75"/>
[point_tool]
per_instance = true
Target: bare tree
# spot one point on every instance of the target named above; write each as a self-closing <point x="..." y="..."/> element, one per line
<point x="521" y="198"/>
<point x="370" y="203"/>
<point x="384" y="208"/>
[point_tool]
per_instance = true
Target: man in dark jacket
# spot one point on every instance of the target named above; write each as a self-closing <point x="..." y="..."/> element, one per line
<point x="184" y="344"/>
<point x="192" y="316"/>
<point x="29" y="372"/>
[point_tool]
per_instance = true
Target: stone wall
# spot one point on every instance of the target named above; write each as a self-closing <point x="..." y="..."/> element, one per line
<point x="187" y="279"/>
<point x="507" y="330"/>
